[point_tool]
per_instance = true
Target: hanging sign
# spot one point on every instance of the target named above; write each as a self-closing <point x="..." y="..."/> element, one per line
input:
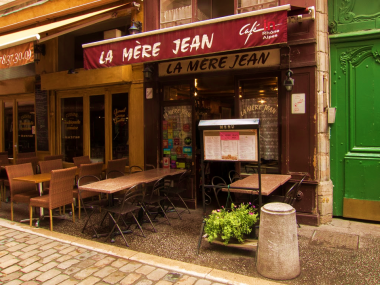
<point x="229" y="33"/>
<point x="17" y="55"/>
<point x="252" y="59"/>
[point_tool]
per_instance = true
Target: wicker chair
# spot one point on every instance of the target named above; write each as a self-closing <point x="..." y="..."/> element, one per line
<point x="53" y="157"/>
<point x="21" y="191"/>
<point x="87" y="172"/>
<point x="116" y="167"/>
<point x="81" y="160"/>
<point x="60" y="193"/>
<point x="26" y="154"/>
<point x="33" y="160"/>
<point x="46" y="166"/>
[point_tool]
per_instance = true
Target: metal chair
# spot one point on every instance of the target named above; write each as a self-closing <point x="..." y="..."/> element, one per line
<point x="116" y="168"/>
<point x="53" y="157"/>
<point x="218" y="181"/>
<point x="134" y="169"/>
<point x="81" y="160"/>
<point x="233" y="176"/>
<point x="60" y="193"/>
<point x="86" y="175"/>
<point x="21" y="192"/>
<point x="176" y="187"/>
<point x="131" y="203"/>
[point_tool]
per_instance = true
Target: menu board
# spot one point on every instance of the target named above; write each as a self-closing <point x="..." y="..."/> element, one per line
<point x="238" y="145"/>
<point x="42" y="132"/>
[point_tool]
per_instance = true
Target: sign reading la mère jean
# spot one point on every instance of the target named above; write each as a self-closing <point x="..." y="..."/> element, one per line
<point x="252" y="59"/>
<point x="226" y="34"/>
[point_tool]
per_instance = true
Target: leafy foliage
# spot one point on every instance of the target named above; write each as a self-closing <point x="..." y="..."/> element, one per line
<point x="233" y="223"/>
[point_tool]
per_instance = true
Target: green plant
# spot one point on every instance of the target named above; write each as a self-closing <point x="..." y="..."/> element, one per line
<point x="232" y="223"/>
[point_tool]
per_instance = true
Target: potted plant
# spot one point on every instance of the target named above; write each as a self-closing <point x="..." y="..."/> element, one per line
<point x="232" y="223"/>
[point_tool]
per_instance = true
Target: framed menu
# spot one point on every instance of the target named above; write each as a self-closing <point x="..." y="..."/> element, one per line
<point x="41" y="97"/>
<point x="230" y="145"/>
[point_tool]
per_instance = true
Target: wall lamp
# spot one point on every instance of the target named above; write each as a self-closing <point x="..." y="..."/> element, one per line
<point x="147" y="73"/>
<point x="289" y="81"/>
<point x="39" y="50"/>
<point x="136" y="28"/>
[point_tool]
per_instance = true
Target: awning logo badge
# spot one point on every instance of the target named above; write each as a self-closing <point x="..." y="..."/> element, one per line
<point x="269" y="31"/>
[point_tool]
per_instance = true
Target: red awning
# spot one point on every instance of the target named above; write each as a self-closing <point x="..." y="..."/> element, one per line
<point x="258" y="28"/>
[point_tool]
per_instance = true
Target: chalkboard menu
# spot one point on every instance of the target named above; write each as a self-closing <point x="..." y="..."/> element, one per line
<point x="42" y="120"/>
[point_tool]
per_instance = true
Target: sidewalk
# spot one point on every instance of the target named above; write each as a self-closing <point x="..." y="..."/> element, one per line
<point x="38" y="256"/>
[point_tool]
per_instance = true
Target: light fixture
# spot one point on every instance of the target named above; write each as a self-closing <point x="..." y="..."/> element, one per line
<point x="135" y="28"/>
<point x="147" y="73"/>
<point x="195" y="92"/>
<point x="39" y="50"/>
<point x="289" y="81"/>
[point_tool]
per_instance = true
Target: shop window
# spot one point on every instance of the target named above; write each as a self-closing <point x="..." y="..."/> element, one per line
<point x="180" y="12"/>
<point x="97" y="135"/>
<point x="71" y="127"/>
<point x="177" y="137"/>
<point x="177" y="92"/>
<point x="26" y="126"/>
<point x="8" y="128"/>
<point x="120" y="135"/>
<point x="252" y="5"/>
<point x="259" y="99"/>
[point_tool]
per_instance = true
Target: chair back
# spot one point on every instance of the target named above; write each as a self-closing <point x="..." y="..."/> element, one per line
<point x="81" y="160"/>
<point x="116" y="167"/>
<point x="233" y="176"/>
<point x="46" y="166"/>
<point x="134" y="169"/>
<point x="149" y="166"/>
<point x="26" y="154"/>
<point x="90" y="170"/>
<point x="61" y="187"/>
<point x="217" y="181"/>
<point x="33" y="160"/>
<point x="53" y="157"/>
<point x="134" y="194"/>
<point x="19" y="170"/>
<point x="158" y="186"/>
<point x="292" y="194"/>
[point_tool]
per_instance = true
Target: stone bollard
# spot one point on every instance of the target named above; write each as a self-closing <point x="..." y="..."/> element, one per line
<point x="277" y="251"/>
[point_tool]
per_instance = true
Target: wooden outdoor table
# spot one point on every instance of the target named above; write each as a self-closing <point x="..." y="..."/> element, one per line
<point x="269" y="183"/>
<point x="113" y="185"/>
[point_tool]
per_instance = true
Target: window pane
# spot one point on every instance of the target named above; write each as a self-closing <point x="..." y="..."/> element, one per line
<point x="120" y="135"/>
<point x="72" y="127"/>
<point x="8" y="128"/>
<point x="177" y="92"/>
<point x="97" y="135"/>
<point x="252" y="5"/>
<point x="175" y="13"/>
<point x="26" y="122"/>
<point x="177" y="137"/>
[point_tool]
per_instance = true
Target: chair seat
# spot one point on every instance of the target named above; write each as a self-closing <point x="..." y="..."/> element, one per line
<point x="24" y="197"/>
<point x="127" y="208"/>
<point x="40" y="201"/>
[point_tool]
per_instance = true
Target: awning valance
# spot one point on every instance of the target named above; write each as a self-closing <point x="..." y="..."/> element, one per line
<point x="258" y="28"/>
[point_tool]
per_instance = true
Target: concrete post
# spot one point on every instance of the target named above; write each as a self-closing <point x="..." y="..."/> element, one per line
<point x="277" y="251"/>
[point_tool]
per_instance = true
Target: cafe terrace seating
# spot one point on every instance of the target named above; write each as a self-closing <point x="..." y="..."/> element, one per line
<point x="116" y="167"/>
<point x="46" y="166"/>
<point x="86" y="175"/>
<point x="176" y="188"/>
<point x="60" y="193"/>
<point x="119" y="212"/>
<point x="33" y="160"/>
<point x="21" y="192"/>
<point x="81" y="160"/>
<point x="53" y="157"/>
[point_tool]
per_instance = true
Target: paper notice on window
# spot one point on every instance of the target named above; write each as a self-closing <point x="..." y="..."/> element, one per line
<point x="230" y="149"/>
<point x="212" y="148"/>
<point x="247" y="148"/>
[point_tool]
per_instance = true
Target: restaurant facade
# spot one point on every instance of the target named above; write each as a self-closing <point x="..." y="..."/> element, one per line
<point x="198" y="60"/>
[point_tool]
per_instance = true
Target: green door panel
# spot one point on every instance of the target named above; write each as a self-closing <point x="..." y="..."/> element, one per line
<point x="362" y="178"/>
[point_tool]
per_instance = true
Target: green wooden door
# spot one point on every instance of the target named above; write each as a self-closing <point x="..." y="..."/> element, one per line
<point x="355" y="135"/>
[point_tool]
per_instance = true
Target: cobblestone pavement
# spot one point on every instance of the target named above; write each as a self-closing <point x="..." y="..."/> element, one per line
<point x="37" y="256"/>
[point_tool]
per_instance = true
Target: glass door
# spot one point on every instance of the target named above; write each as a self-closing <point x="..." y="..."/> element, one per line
<point x="8" y="127"/>
<point x="97" y="135"/>
<point x="26" y="126"/>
